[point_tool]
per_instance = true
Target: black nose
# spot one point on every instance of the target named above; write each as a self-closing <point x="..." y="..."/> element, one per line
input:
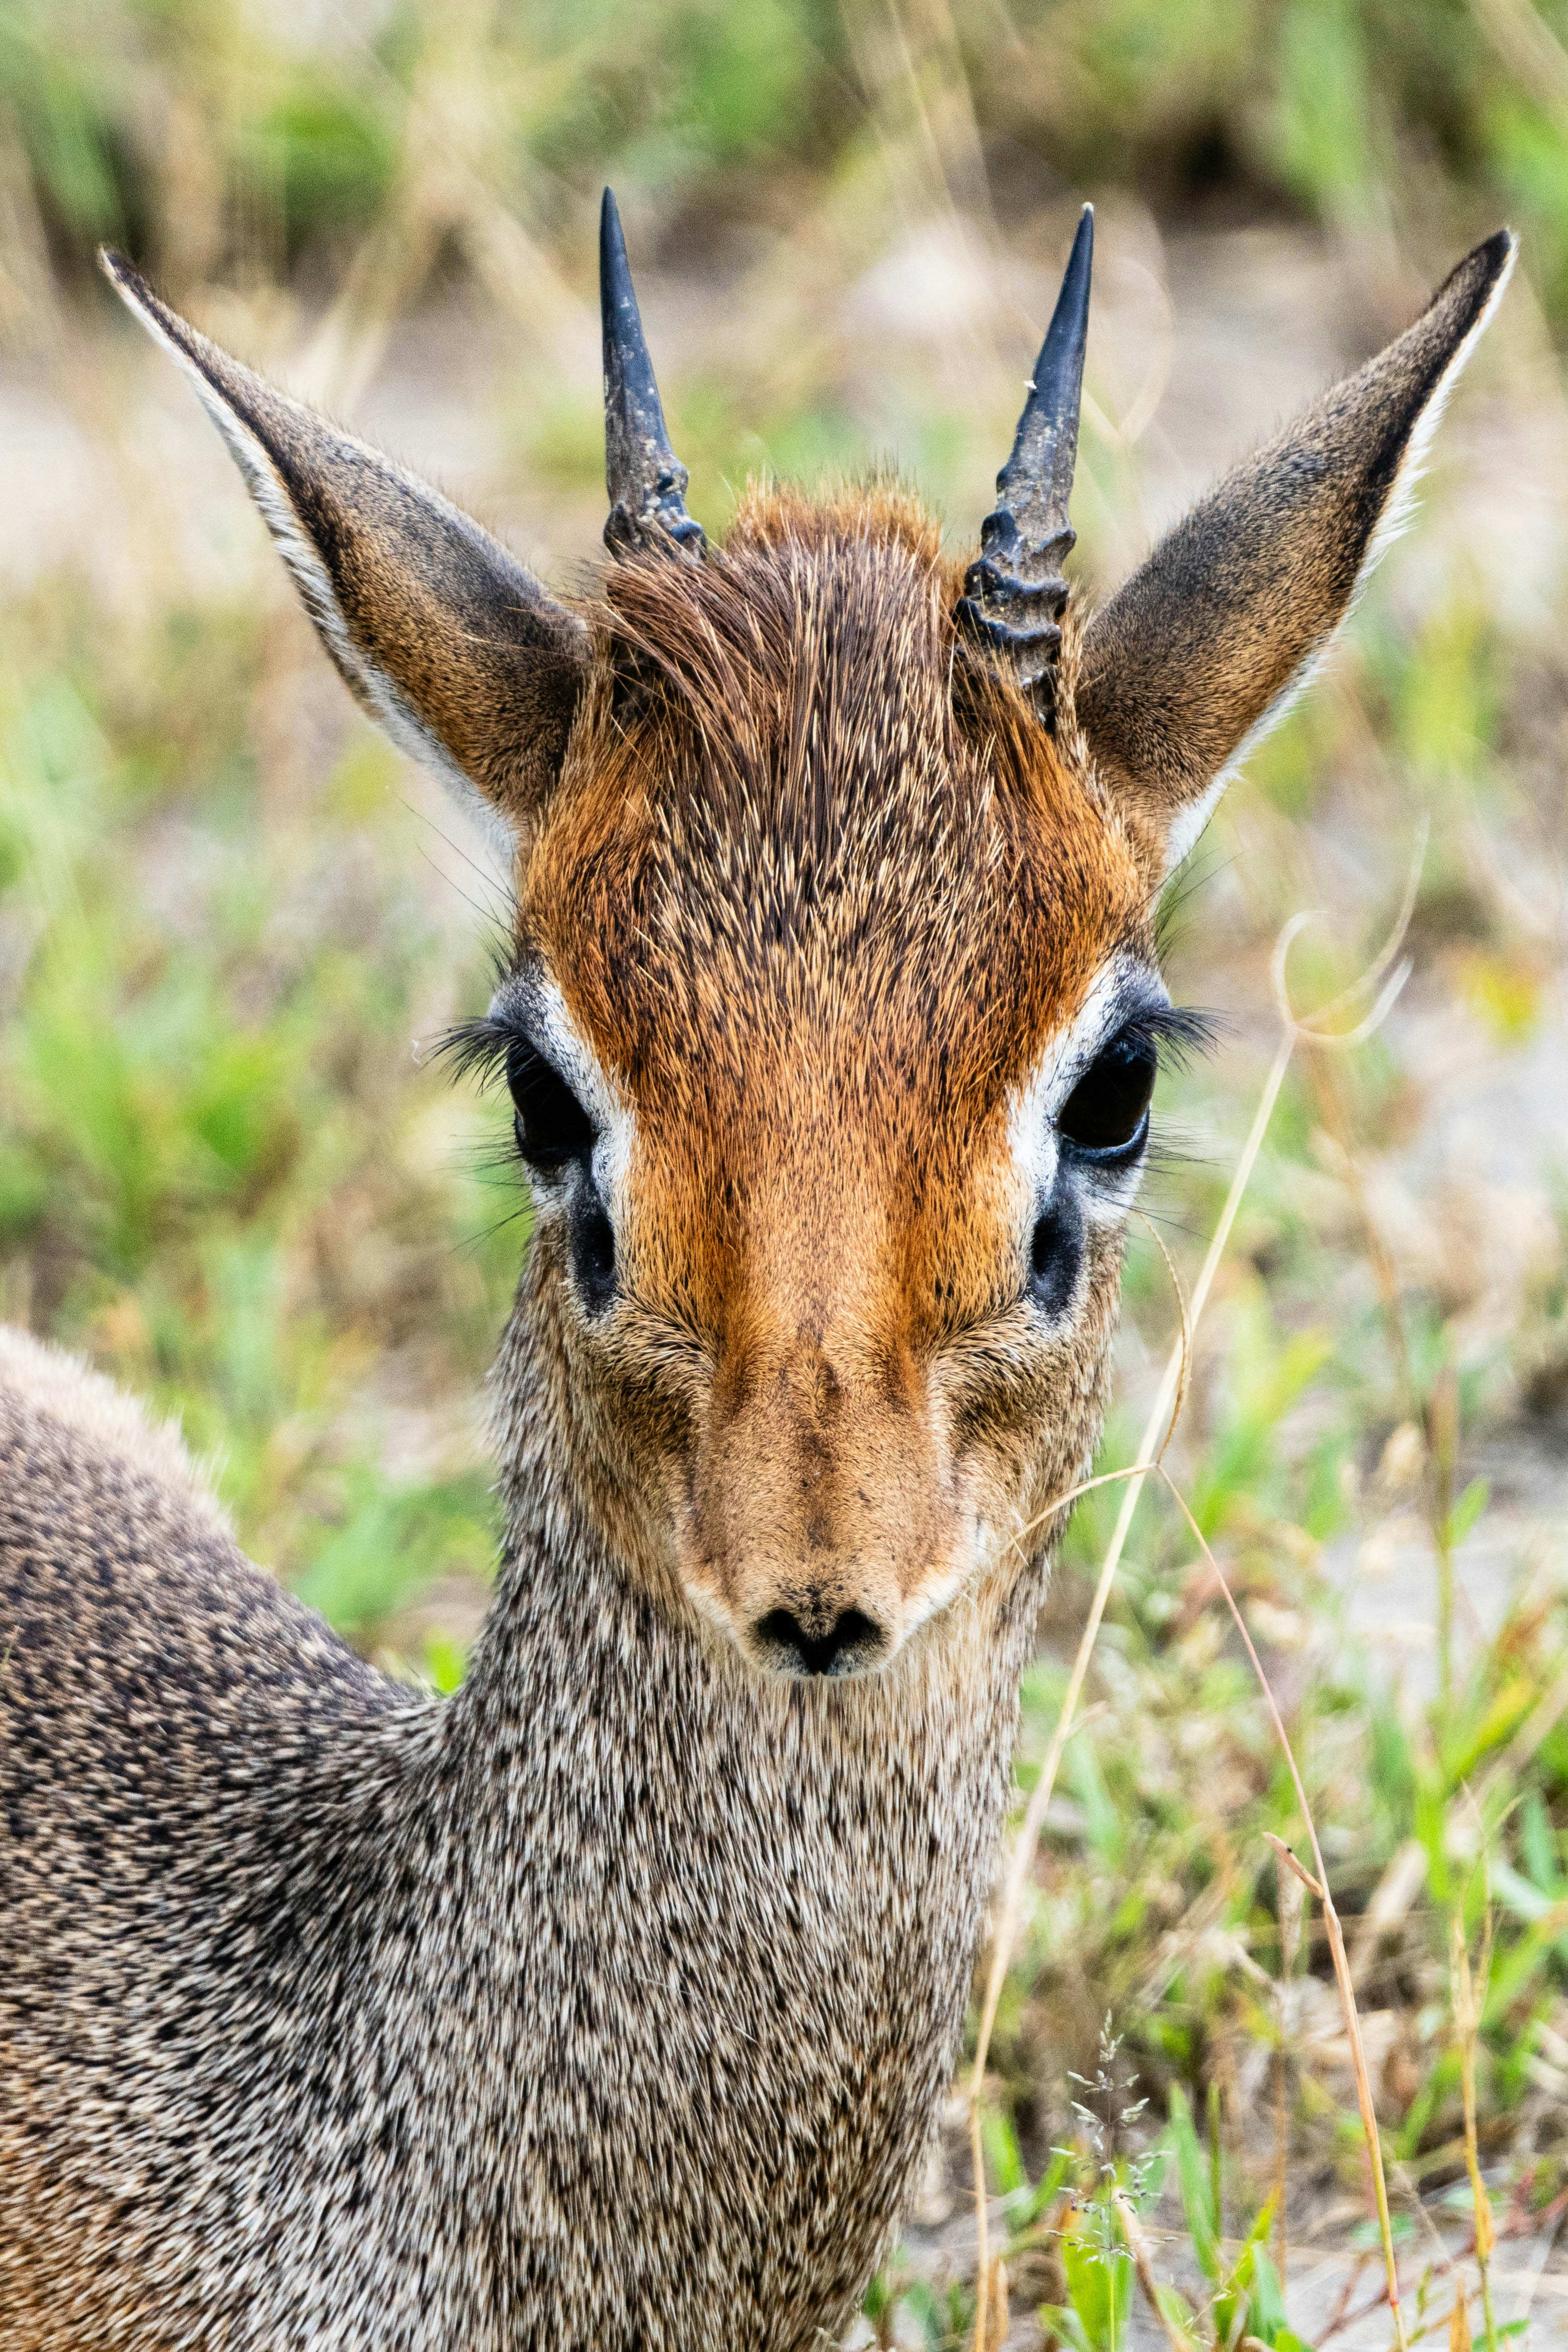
<point x="851" y="1639"/>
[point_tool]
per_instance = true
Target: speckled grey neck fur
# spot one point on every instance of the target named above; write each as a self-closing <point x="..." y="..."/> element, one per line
<point x="606" y="2004"/>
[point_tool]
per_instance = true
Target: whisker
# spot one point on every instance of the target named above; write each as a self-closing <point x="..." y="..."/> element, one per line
<point x="485" y="876"/>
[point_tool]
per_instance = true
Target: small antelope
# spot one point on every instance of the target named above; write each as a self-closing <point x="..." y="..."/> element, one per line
<point x="606" y="2005"/>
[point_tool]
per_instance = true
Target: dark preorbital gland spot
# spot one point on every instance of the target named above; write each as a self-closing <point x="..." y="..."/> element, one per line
<point x="593" y="1239"/>
<point x="1056" y="1252"/>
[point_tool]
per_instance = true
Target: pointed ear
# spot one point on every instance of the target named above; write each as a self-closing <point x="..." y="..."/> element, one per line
<point x="1204" y="648"/>
<point x="442" y="636"/>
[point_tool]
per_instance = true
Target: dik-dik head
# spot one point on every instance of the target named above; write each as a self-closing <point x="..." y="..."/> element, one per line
<point x="833" y="1012"/>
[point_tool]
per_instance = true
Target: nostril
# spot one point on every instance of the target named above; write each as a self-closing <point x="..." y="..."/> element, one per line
<point x="853" y="1640"/>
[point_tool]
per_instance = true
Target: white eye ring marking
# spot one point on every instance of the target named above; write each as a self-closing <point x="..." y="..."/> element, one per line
<point x="1121" y="988"/>
<point x="536" y="1002"/>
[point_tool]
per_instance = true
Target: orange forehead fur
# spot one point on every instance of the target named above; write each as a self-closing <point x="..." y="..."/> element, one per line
<point x="794" y="810"/>
<point x="812" y="873"/>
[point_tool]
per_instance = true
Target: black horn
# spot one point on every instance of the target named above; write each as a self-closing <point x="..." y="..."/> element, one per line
<point x="1014" y="593"/>
<point x="646" y="481"/>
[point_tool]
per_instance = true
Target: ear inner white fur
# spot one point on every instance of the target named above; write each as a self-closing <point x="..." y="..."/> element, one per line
<point x="444" y="640"/>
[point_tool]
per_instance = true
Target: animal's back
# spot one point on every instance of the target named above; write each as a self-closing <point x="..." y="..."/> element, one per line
<point x="184" y="1751"/>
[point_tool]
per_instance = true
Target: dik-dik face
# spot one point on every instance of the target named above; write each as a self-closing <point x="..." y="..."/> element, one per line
<point x="830" y="1041"/>
<point x="833" y="1017"/>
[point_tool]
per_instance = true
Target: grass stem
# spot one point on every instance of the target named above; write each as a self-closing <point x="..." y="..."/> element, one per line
<point x="1177" y="2338"/>
<point x="1289" y="1909"/>
<point x="1468" y="2002"/>
<point x="1337" y="1953"/>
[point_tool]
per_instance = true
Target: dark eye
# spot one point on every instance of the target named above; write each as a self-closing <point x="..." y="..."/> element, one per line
<point x="1108" y="1109"/>
<point x="552" y="1128"/>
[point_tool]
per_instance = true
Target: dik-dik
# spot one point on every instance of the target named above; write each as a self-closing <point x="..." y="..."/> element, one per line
<point x="605" y="2006"/>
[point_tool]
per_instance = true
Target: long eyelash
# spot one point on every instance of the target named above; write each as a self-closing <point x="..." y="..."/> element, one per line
<point x="1188" y="1231"/>
<point x="479" y="1049"/>
<point x="1180" y="1033"/>
<point x="1167" y="1152"/>
<point x="1203" y="867"/>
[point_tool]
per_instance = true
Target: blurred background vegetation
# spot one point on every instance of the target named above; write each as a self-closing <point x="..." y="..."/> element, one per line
<point x="221" y="138"/>
<point x="232" y="922"/>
